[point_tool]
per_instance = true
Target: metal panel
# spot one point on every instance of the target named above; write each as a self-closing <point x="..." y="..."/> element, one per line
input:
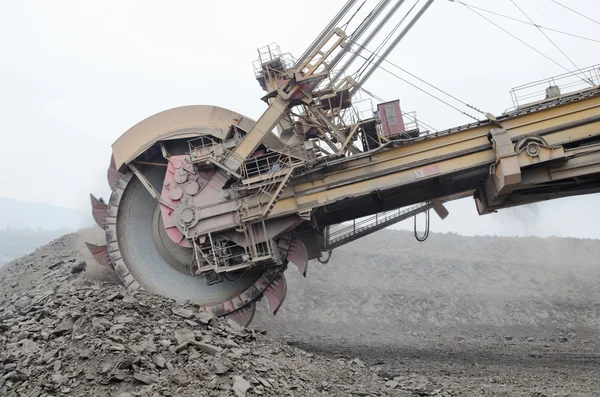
<point x="180" y="122"/>
<point x="392" y="122"/>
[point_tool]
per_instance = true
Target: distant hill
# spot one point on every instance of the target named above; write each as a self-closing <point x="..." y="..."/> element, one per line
<point x="15" y="243"/>
<point x="17" y="214"/>
<point x="26" y="225"/>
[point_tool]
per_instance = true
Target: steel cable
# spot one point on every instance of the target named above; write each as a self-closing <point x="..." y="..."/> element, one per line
<point x="549" y="39"/>
<point x="363" y="67"/>
<point x="523" y="42"/>
<point x="429" y="84"/>
<point x="578" y="13"/>
<point x="424" y="91"/>
<point x="526" y="22"/>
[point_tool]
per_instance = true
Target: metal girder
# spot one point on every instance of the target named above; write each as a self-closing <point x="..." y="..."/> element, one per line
<point x="312" y="69"/>
<point x="370" y="37"/>
<point x="356" y="35"/>
<point x="578" y="174"/>
<point x="332" y="24"/>
<point x="451" y="154"/>
<point x="390" y="48"/>
<point x="505" y="174"/>
<point x="265" y="124"/>
<point x="434" y="164"/>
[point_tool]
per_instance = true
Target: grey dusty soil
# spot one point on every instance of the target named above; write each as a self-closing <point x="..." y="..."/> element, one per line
<point x="66" y="328"/>
<point x="473" y="316"/>
<point x="455" y="316"/>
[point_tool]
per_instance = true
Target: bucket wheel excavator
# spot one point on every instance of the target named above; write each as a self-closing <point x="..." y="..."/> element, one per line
<point x="210" y="206"/>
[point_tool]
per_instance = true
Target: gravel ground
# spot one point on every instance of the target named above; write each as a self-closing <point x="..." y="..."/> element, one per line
<point x="480" y="365"/>
<point x="481" y="316"/>
<point x="64" y="331"/>
<point x="66" y="328"/>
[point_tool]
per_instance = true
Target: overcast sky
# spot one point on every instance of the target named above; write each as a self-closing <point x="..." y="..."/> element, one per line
<point x="74" y="75"/>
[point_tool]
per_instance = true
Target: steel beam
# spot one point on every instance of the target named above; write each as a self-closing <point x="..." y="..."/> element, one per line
<point x="390" y="48"/>
<point x="362" y="28"/>
<point x="368" y="40"/>
<point x="332" y="24"/>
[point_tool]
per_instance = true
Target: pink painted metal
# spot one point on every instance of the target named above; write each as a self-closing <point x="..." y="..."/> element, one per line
<point x="244" y="315"/>
<point x="112" y="174"/>
<point x="240" y="308"/>
<point x="427" y="171"/>
<point x="392" y="122"/>
<point x="183" y="185"/>
<point x="100" y="254"/>
<point x="99" y="210"/>
<point x="250" y="295"/>
<point x="297" y="253"/>
<point x="276" y="293"/>
<point x="176" y="164"/>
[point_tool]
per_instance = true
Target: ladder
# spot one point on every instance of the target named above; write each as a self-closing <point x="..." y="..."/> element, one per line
<point x="268" y="195"/>
<point x="275" y="193"/>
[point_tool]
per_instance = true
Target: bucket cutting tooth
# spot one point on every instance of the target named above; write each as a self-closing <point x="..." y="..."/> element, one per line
<point x="99" y="210"/>
<point x="297" y="253"/>
<point x="275" y="293"/>
<point x="147" y="245"/>
<point x="100" y="254"/>
<point x="112" y="174"/>
<point x="244" y="315"/>
<point x="137" y="240"/>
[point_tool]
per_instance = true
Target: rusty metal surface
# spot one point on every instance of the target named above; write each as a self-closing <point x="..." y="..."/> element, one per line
<point x="99" y="210"/>
<point x="276" y="293"/>
<point x="180" y="122"/>
<point x="244" y="315"/>
<point x="297" y="253"/>
<point x="100" y="254"/>
<point x="110" y="255"/>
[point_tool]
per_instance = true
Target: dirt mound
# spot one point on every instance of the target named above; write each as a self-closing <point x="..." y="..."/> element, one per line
<point x="63" y="332"/>
<point x="386" y="316"/>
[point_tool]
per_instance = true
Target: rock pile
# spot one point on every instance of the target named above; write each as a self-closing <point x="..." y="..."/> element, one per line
<point x="63" y="333"/>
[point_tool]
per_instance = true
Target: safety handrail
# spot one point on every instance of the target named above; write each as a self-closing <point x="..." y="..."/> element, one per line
<point x="566" y="83"/>
<point x="372" y="221"/>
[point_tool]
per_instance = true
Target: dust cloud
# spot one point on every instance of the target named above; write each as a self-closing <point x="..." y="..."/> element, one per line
<point x="450" y="282"/>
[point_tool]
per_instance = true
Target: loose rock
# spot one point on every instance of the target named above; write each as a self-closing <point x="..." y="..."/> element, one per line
<point x="240" y="386"/>
<point x="392" y="384"/>
<point x="222" y="365"/>
<point x="147" y="379"/>
<point x="182" y="312"/>
<point x="159" y="360"/>
<point x="79" y="267"/>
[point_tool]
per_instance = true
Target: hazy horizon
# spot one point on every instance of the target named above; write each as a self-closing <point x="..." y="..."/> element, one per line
<point x="535" y="220"/>
<point x="67" y="97"/>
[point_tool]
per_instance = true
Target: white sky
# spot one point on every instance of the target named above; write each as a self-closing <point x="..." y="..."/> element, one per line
<point x="74" y="75"/>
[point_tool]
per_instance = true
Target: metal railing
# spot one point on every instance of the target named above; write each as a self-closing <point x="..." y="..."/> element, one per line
<point x="269" y="165"/>
<point x="547" y="88"/>
<point x="205" y="147"/>
<point x="202" y="146"/>
<point x="411" y="126"/>
<point x="220" y="258"/>
<point x="269" y="54"/>
<point x="371" y="222"/>
<point x="264" y="165"/>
